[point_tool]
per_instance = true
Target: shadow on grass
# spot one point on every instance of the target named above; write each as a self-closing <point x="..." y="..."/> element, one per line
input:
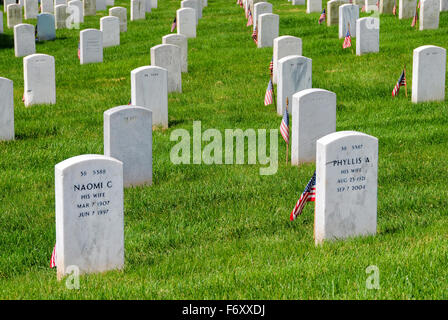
<point x="6" y="41"/>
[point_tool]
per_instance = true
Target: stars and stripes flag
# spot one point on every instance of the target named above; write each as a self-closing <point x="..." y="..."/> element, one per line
<point x="249" y="19"/>
<point x="284" y="126"/>
<point x="414" y="20"/>
<point x="322" y="17"/>
<point x="394" y="10"/>
<point x="309" y="194"/>
<point x="363" y="9"/>
<point x="269" y="94"/>
<point x="401" y="82"/>
<point x="53" y="258"/>
<point x="347" y="41"/>
<point x="173" y="25"/>
<point x="271" y="66"/>
<point x="79" y="51"/>
<point x="255" y="36"/>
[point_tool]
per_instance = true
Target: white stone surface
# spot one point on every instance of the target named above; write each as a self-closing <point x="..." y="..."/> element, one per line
<point x="406" y="8"/>
<point x="259" y="9"/>
<point x="89" y="7"/>
<point x="346" y="186"/>
<point x="294" y="75"/>
<point x="14" y="15"/>
<point x="297" y="2"/>
<point x="58" y="2"/>
<point x="91" y="46"/>
<point x="138" y="9"/>
<point x="31" y="9"/>
<point x="443" y="5"/>
<point x="110" y="3"/>
<point x="168" y="56"/>
<point x="428" y="74"/>
<point x="204" y="3"/>
<point x="284" y="46"/>
<point x="149" y="89"/>
<point x="186" y="22"/>
<point x="193" y="4"/>
<point x="268" y="25"/>
<point x="24" y="40"/>
<point x="76" y="10"/>
<point x="101" y="5"/>
<point x="39" y="79"/>
<point x="367" y="35"/>
<point x="154" y="4"/>
<point x="313" y="116"/>
<point x="348" y="14"/>
<point x="181" y="41"/>
<point x="1" y="23"/>
<point x="387" y="6"/>
<point x="46" y="27"/>
<point x="89" y="214"/>
<point x="333" y="11"/>
<point x="8" y="2"/>
<point x="313" y="6"/>
<point x="60" y="16"/>
<point x="370" y="5"/>
<point x="121" y="14"/>
<point x="429" y="14"/>
<point x="128" y="138"/>
<point x="6" y="109"/>
<point x="148" y="5"/>
<point x="110" y="27"/>
<point x="47" y="6"/>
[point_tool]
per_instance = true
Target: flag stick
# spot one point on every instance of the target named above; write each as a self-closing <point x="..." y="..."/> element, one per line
<point x="273" y="93"/>
<point x="287" y="143"/>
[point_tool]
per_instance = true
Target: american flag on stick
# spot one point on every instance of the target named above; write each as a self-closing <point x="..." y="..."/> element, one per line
<point x="249" y="19"/>
<point x="53" y="258"/>
<point x="414" y="20"/>
<point x="309" y="194"/>
<point x="401" y="82"/>
<point x="363" y="9"/>
<point x="322" y="17"/>
<point x="79" y="52"/>
<point x="268" y="97"/>
<point x="255" y="36"/>
<point x="348" y="40"/>
<point x="173" y="25"/>
<point x="271" y="66"/>
<point x="284" y="126"/>
<point x="394" y="10"/>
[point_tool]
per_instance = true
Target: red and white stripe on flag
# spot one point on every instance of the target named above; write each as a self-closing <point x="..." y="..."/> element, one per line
<point x="53" y="258"/>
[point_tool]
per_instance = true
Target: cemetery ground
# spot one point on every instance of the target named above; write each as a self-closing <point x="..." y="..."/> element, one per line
<point x="223" y="231"/>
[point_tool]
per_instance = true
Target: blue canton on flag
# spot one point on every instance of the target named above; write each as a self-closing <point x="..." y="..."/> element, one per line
<point x="284" y="126"/>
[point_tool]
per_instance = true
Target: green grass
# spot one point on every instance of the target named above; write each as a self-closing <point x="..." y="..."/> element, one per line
<point x="223" y="231"/>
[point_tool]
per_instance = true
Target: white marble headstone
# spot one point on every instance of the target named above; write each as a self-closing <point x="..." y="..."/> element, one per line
<point x="24" y="40"/>
<point x="60" y="16"/>
<point x="110" y="27"/>
<point x="259" y="9"/>
<point x="59" y="2"/>
<point x="193" y="4"/>
<point x="297" y="2"/>
<point x="39" y="79"/>
<point x="371" y="5"/>
<point x="313" y="116"/>
<point x="31" y="9"/>
<point x="294" y="75"/>
<point x="14" y="15"/>
<point x="429" y="14"/>
<point x="1" y="23"/>
<point x="284" y="46"/>
<point x="154" y="4"/>
<point x="186" y="22"/>
<point x="443" y="5"/>
<point x="89" y="7"/>
<point x="47" y="6"/>
<point x="406" y="8"/>
<point x="367" y="35"/>
<point x="387" y="6"/>
<point x="428" y="74"/>
<point x="101" y="5"/>
<point x="148" y="5"/>
<point x="138" y="10"/>
<point x="6" y="109"/>
<point x="149" y="89"/>
<point x="268" y="25"/>
<point x="181" y="41"/>
<point x="6" y="3"/>
<point x="348" y="14"/>
<point x="128" y="138"/>
<point x="76" y="10"/>
<point x="168" y="56"/>
<point x="91" y="46"/>
<point x="346" y="186"/>
<point x="89" y="214"/>
<point x="121" y="14"/>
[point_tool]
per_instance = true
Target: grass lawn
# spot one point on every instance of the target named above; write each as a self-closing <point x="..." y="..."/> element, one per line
<point x="223" y="231"/>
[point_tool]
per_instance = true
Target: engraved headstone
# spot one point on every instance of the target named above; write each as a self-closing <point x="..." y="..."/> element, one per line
<point x="428" y="74"/>
<point x="367" y="35"/>
<point x="346" y="186"/>
<point x="168" y="56"/>
<point x="313" y="116"/>
<point x="128" y="138"/>
<point x="91" y="46"/>
<point x="89" y="214"/>
<point x="14" y="15"/>
<point x="348" y="14"/>
<point x="371" y="5"/>
<point x="186" y="22"/>
<point x="285" y="46"/>
<point x="333" y="11"/>
<point x="138" y="10"/>
<point x="259" y="9"/>
<point x="193" y="4"/>
<point x="89" y="7"/>
<point x="149" y="89"/>
<point x="181" y="41"/>
<point x="406" y="9"/>
<point x="76" y="10"/>
<point x="294" y="75"/>
<point x="429" y="14"/>
<point x="60" y="16"/>
<point x="47" y="6"/>
<point x="45" y="27"/>
<point x="24" y="40"/>
<point x="6" y="109"/>
<point x="268" y="25"/>
<point x="39" y="79"/>
<point x="121" y="14"/>
<point x="31" y="9"/>
<point x="387" y="6"/>
<point x="110" y="27"/>
<point x="6" y="3"/>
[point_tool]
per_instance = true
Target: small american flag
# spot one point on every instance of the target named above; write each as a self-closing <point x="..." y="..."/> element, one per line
<point x="284" y="126"/>
<point x="53" y="258"/>
<point x="79" y="51"/>
<point x="414" y="20"/>
<point x="271" y="66"/>
<point x="394" y="10"/>
<point x="173" y="25"/>
<point x="255" y="36"/>
<point x="269" y="93"/>
<point x="249" y="19"/>
<point x="309" y="194"/>
<point x="363" y="9"/>
<point x="322" y="17"/>
<point x="347" y="41"/>
<point x="401" y="82"/>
